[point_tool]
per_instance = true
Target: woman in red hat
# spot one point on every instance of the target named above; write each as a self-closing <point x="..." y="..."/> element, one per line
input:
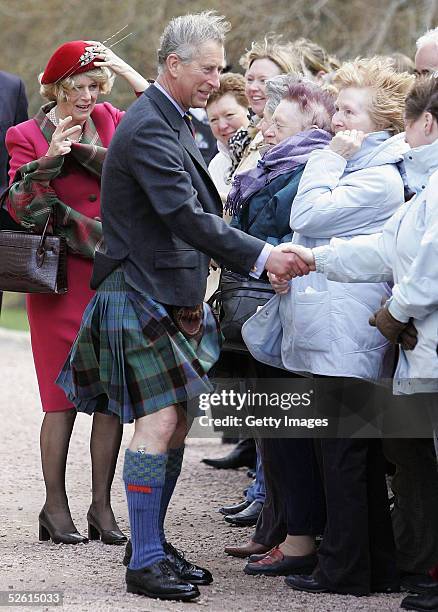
<point x="56" y="163"/>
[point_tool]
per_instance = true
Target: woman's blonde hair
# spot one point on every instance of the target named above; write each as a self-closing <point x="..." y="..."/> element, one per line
<point x="271" y="47"/>
<point x="388" y="89"/>
<point x="58" y="92"/>
<point x="314" y="58"/>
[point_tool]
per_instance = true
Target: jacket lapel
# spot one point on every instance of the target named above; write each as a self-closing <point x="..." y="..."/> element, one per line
<point x="185" y="138"/>
<point x="189" y="144"/>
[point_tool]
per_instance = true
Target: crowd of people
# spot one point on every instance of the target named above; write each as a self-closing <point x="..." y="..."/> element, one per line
<point x="321" y="195"/>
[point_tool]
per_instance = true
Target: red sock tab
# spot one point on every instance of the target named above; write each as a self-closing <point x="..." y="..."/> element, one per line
<point x="139" y="488"/>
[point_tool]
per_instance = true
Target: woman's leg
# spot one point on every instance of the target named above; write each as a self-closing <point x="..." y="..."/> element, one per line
<point x="303" y="495"/>
<point x="106" y="436"/>
<point x="55" y="436"/>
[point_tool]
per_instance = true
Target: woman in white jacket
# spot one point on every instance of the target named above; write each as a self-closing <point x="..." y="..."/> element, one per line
<point x="405" y="253"/>
<point x="321" y="327"/>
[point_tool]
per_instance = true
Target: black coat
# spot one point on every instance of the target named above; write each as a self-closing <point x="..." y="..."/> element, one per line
<point x="161" y="212"/>
<point x="13" y="110"/>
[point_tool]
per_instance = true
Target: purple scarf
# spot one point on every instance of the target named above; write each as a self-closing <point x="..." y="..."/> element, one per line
<point x="281" y="158"/>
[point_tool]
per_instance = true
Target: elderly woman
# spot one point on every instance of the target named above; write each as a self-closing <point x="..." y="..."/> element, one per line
<point x="402" y="254"/>
<point x="352" y="187"/>
<point x="56" y="164"/>
<point x="261" y="201"/>
<point x="227" y="111"/>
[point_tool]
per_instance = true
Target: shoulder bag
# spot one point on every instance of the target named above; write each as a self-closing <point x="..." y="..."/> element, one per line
<point x="236" y="300"/>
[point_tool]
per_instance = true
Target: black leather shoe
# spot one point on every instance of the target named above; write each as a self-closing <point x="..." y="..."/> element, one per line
<point x="235" y="508"/>
<point x="47" y="531"/>
<point x="242" y="455"/>
<point x="277" y="564"/>
<point x="422" y="584"/>
<point x="159" y="580"/>
<point x="247" y="517"/>
<point x="423" y="603"/>
<point x="106" y="536"/>
<point x="308" y="584"/>
<point x="185" y="569"/>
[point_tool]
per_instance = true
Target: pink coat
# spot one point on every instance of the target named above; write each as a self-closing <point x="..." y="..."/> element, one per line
<point x="55" y="319"/>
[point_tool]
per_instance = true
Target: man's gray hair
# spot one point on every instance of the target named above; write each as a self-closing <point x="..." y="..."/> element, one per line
<point x="277" y="88"/>
<point x="431" y="36"/>
<point x="183" y="35"/>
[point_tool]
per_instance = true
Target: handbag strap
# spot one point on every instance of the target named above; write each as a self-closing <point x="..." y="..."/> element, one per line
<point x="3" y="198"/>
<point x="40" y="250"/>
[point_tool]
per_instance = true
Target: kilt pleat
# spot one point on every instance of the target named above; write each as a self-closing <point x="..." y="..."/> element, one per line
<point x="130" y="359"/>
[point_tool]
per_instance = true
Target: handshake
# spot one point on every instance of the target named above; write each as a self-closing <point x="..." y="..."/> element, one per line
<point x="287" y="261"/>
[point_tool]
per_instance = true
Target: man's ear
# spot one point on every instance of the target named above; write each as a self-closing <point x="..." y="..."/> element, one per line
<point x="173" y="63"/>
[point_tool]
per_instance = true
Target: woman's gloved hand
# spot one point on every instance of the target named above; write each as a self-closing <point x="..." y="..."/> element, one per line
<point x="395" y="331"/>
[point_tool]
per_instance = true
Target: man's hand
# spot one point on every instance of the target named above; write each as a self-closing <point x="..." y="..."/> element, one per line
<point x="395" y="331"/>
<point x="305" y="254"/>
<point x="286" y="265"/>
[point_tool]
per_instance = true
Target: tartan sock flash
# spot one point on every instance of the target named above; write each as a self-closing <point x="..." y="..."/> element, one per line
<point x="144" y="477"/>
<point x="173" y="470"/>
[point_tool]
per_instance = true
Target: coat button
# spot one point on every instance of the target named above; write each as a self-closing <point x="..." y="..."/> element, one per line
<point x="92" y="197"/>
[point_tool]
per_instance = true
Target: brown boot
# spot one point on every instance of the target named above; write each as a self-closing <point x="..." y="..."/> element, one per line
<point x="251" y="548"/>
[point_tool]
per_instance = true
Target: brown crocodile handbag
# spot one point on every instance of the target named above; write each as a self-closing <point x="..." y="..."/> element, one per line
<point x="32" y="263"/>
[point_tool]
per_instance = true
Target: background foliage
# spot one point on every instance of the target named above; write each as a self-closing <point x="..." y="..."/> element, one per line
<point x="32" y="29"/>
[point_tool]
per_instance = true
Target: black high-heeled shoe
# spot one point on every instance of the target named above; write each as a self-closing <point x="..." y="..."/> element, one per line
<point x="47" y="531"/>
<point x="106" y="536"/>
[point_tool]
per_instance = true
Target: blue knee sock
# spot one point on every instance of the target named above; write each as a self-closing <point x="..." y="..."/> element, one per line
<point x="144" y="477"/>
<point x="173" y="470"/>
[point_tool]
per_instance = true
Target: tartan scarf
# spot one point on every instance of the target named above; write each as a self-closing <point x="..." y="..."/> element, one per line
<point x="33" y="199"/>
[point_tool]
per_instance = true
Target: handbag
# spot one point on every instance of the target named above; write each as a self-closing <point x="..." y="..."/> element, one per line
<point x="236" y="300"/>
<point x="32" y="263"/>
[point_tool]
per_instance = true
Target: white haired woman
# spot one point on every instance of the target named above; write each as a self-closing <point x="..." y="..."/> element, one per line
<point x="56" y="164"/>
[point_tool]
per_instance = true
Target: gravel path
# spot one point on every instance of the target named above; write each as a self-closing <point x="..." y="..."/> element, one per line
<point x="91" y="576"/>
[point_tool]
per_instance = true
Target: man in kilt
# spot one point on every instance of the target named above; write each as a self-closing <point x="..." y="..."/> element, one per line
<point x="147" y="340"/>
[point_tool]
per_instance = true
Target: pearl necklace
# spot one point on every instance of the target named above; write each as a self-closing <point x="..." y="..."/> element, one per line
<point x="53" y="117"/>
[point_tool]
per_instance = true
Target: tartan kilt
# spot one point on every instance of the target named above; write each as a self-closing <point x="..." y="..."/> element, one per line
<point x="130" y="359"/>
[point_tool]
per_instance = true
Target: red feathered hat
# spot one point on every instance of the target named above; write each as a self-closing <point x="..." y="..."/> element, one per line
<point x="70" y="58"/>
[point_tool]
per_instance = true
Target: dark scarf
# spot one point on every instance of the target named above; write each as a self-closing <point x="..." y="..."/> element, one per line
<point x="279" y="159"/>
